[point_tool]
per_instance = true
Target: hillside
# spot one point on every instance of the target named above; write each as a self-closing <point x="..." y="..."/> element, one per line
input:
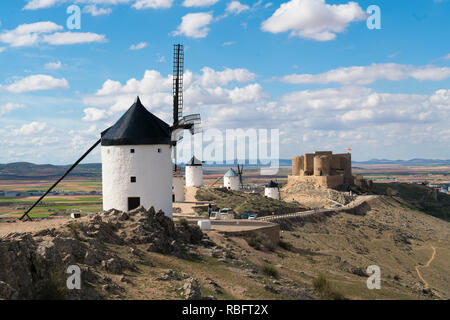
<point x="143" y="255"/>
<point x="417" y="196"/>
<point x="25" y="170"/>
<point x="242" y="202"/>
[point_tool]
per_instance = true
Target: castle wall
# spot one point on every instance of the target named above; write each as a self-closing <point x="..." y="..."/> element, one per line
<point x="297" y="165"/>
<point x="321" y="181"/>
<point x="308" y="167"/>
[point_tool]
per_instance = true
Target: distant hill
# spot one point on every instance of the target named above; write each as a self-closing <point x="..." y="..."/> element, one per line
<point x="412" y="162"/>
<point x="26" y="170"/>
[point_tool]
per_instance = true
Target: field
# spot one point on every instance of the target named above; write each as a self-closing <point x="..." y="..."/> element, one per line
<point x="88" y="179"/>
<point x="13" y="207"/>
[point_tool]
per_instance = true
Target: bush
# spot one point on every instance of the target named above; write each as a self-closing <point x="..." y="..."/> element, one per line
<point x="74" y="227"/>
<point x="270" y="271"/>
<point x="325" y="289"/>
<point x="254" y="242"/>
<point x="53" y="288"/>
<point x="183" y="222"/>
<point x="285" y="245"/>
<point x="269" y="245"/>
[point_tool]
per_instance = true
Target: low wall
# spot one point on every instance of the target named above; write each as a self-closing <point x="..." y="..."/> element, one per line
<point x="271" y="232"/>
<point x="322" y="181"/>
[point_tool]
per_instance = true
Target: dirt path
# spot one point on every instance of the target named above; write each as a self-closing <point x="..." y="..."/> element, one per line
<point x="351" y="205"/>
<point x="426" y="266"/>
<point x="31" y="226"/>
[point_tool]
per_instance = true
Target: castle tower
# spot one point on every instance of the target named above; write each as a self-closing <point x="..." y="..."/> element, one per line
<point x="231" y="180"/>
<point x="271" y="190"/>
<point x="194" y="173"/>
<point x="136" y="162"/>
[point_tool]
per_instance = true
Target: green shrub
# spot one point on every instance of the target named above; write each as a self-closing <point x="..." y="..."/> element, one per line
<point x="254" y="242"/>
<point x="325" y="288"/>
<point x="270" y="271"/>
<point x="74" y="227"/>
<point x="53" y="288"/>
<point x="285" y="245"/>
<point x="183" y="222"/>
<point x="269" y="245"/>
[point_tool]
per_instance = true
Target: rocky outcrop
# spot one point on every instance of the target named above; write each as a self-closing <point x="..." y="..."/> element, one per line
<point x="34" y="265"/>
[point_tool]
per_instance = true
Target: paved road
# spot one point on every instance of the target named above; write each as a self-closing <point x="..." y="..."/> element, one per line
<point x="359" y="200"/>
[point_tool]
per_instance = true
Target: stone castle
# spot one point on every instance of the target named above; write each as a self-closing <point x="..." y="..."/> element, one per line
<point x="323" y="168"/>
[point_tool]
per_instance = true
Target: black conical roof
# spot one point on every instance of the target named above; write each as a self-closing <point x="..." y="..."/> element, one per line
<point x="137" y="126"/>
<point x="194" y="162"/>
<point x="272" y="184"/>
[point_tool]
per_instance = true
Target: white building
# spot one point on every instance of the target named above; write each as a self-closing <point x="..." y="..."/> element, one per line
<point x="272" y="190"/>
<point x="178" y="188"/>
<point x="136" y="162"/>
<point x="231" y="180"/>
<point x="194" y="173"/>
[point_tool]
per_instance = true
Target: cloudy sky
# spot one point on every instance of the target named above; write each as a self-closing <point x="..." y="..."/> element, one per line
<point x="311" y="68"/>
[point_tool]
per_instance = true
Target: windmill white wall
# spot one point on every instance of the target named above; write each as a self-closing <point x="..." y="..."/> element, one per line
<point x="152" y="167"/>
<point x="194" y="176"/>
<point x="178" y="188"/>
<point x="231" y="182"/>
<point x="272" y="193"/>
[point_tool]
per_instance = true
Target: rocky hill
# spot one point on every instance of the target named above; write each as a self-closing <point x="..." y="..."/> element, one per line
<point x="144" y="255"/>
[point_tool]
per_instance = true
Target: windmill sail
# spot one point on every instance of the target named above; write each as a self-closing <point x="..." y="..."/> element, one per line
<point x="190" y="122"/>
<point x="178" y="71"/>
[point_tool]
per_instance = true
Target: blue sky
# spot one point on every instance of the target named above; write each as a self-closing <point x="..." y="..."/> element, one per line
<point x="310" y="68"/>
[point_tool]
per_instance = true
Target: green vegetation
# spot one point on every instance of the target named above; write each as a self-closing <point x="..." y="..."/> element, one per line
<point x="419" y="196"/>
<point x="326" y="289"/>
<point x="53" y="288"/>
<point x="270" y="271"/>
<point x="242" y="202"/>
<point x="285" y="245"/>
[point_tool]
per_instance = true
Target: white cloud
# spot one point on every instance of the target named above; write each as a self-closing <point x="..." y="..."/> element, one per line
<point x="37" y="82"/>
<point x="45" y="32"/>
<point x="236" y="7"/>
<point x="30" y="129"/>
<point x="208" y="88"/>
<point x="139" y="46"/>
<point x="313" y="19"/>
<point x="361" y="75"/>
<point x="447" y="57"/>
<point x="6" y="108"/>
<point x="53" y="65"/>
<point x="199" y="3"/>
<point x="28" y="34"/>
<point x="39" y="4"/>
<point x="210" y="77"/>
<point x="65" y="38"/>
<point x="95" y="11"/>
<point x="2" y="49"/>
<point x="94" y="114"/>
<point x="138" y="4"/>
<point x="194" y="25"/>
<point x="228" y="43"/>
<point x="153" y="4"/>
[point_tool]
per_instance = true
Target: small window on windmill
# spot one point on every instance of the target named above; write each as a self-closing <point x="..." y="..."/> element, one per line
<point x="159" y="150"/>
<point x="133" y="179"/>
<point x="131" y="150"/>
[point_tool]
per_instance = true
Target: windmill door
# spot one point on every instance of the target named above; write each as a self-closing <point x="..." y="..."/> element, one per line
<point x="133" y="203"/>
